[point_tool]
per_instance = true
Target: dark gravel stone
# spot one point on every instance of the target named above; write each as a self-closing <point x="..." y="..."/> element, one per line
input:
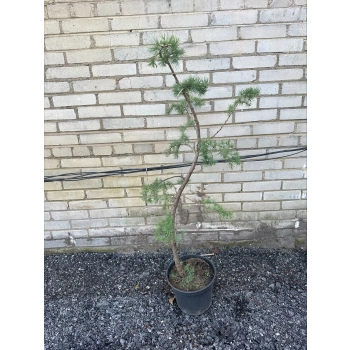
<point x="113" y="301"/>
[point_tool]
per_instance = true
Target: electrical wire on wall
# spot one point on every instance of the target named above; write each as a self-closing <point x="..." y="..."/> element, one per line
<point x="94" y="175"/>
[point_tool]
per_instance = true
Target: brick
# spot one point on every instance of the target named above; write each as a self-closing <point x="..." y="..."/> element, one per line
<point x="261" y="186"/>
<point x="141" y="82"/>
<point x="243" y="176"/>
<point x="284" y="174"/>
<point x="132" y="53"/>
<point x="297" y="59"/>
<point x="82" y="10"/>
<point x="65" y="234"/>
<point x="67" y="72"/>
<point x="205" y="178"/>
<point x="218" y="92"/>
<point x="234" y="77"/>
<point x="143" y="148"/>
<point x="99" y="111"/>
<point x="108" y="213"/>
<point x="239" y="4"/>
<point x="222" y="105"/>
<point x="291" y="140"/>
<point x="51" y="163"/>
<point x="159" y="95"/>
<point x="81" y="151"/>
<point x="234" y="48"/>
<point x="107" y="8"/>
<point x="69" y="214"/>
<point x="124" y="123"/>
<point x="58" y="11"/>
<point x="279" y="102"/>
<point x="282" y="195"/>
<point x="243" y="197"/>
<point x="94" y="85"/>
<point x="123" y="148"/>
<point x="246" y="143"/>
<point x="169" y="79"/>
<point x="65" y="195"/>
<point x="130" y="136"/>
<point x="273" y="128"/>
<point x="46" y="102"/>
<point x="281" y="74"/>
<point x="259" y="206"/>
<point x="212" y="188"/>
<point x="47" y="153"/>
<point x="80" y="162"/>
<point x="262" y="165"/>
<point x="104" y="193"/>
<point x="81" y="184"/>
<point x="59" y="43"/>
<point x="229" y="131"/>
<point x="141" y="110"/>
<point x="252" y="116"/>
<point x="119" y="97"/>
<point x="85" y="25"/>
<point x="254" y="61"/>
<point x="165" y="122"/>
<point x="283" y="15"/>
<point x="297" y="29"/>
<point x="106" y="232"/>
<point x="121" y="161"/>
<point x="294" y="88"/>
<point x="132" y="7"/>
<point x="52" y="87"/>
<point x="58" y="140"/>
<point x="51" y="27"/>
<point x="223" y="18"/>
<point x="48" y="206"/>
<point x="144" y="68"/>
<point x="88" y="204"/>
<point x="134" y="23"/>
<point x="301" y="127"/>
<point x="118" y="39"/>
<point x="208" y="64"/>
<point x="161" y="159"/>
<point x="92" y="242"/>
<point x="52" y="186"/>
<point x="205" y="5"/>
<point x="295" y="185"/>
<point x="181" y="6"/>
<point x="102" y="151"/>
<point x="89" y="223"/>
<point x="126" y="202"/>
<point x="88" y="56"/>
<point x="119" y="181"/>
<point x="62" y="152"/>
<point x="267" y="142"/>
<point x="126" y="221"/>
<point x="295" y="113"/>
<point x="296" y="204"/>
<point x="113" y="70"/>
<point x="59" y="114"/>
<point x="263" y="31"/>
<point x="280" y="45"/>
<point x="214" y="34"/>
<point x="53" y="58"/>
<point x="100" y="138"/>
<point x="74" y="100"/>
<point x="184" y="20"/>
<point x="196" y="50"/>
<point x="150" y="36"/>
<point x="56" y="225"/>
<point x="82" y="125"/>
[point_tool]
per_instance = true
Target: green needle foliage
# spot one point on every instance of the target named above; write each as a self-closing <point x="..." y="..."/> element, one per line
<point x="189" y="93"/>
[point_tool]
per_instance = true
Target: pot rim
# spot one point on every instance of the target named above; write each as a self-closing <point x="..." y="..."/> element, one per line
<point x="188" y="256"/>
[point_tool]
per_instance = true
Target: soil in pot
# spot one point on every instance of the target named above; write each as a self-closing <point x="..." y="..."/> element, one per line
<point x="198" y="275"/>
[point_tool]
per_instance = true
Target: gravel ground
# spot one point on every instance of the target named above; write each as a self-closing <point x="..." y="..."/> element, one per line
<point x="96" y="301"/>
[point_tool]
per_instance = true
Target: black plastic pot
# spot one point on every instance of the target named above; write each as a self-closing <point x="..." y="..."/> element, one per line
<point x="193" y="302"/>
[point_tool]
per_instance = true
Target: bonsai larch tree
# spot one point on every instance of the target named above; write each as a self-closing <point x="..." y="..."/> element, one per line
<point x="167" y="52"/>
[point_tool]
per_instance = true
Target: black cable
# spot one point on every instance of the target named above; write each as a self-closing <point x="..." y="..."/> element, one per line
<point x="92" y="175"/>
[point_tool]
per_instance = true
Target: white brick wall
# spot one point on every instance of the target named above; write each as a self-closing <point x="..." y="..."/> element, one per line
<point x="105" y="109"/>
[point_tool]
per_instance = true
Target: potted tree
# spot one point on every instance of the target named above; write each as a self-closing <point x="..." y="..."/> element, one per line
<point x="191" y="277"/>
